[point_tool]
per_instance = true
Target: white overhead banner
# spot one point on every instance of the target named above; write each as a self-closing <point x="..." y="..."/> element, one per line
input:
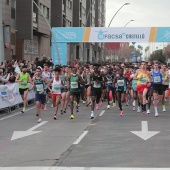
<point x="112" y="34"/>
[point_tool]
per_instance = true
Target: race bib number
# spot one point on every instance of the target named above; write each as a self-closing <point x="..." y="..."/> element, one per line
<point x="56" y="89"/>
<point x="24" y="84"/>
<point x="157" y="79"/>
<point x="120" y="83"/>
<point x="74" y="85"/>
<point x="97" y="85"/>
<point x="39" y="87"/>
<point x="143" y="80"/>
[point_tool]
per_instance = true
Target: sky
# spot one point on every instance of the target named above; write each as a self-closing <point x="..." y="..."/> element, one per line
<point x="146" y="13"/>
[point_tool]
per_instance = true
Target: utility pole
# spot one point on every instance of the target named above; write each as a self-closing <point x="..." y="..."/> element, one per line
<point x="1" y="35"/>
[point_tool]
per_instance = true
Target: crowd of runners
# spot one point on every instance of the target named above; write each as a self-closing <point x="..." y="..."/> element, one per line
<point x="137" y="85"/>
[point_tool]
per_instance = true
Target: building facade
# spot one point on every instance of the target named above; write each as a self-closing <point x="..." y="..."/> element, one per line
<point x="26" y="33"/>
<point x="80" y="13"/>
<point x="9" y="28"/>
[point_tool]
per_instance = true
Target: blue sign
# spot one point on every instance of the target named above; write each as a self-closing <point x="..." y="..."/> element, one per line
<point x="163" y="34"/>
<point x="68" y="34"/>
<point x="62" y="47"/>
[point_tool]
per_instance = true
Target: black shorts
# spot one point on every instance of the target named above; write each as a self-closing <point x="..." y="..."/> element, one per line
<point x="157" y="88"/>
<point x="21" y="91"/>
<point x="86" y="86"/>
<point x="76" y="94"/>
<point x="165" y="87"/>
<point x="96" y="91"/>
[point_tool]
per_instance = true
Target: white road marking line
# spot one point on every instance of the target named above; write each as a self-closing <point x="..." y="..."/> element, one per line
<point x="18" y="113"/>
<point x="80" y="138"/>
<point x="78" y="168"/>
<point x="101" y="114"/>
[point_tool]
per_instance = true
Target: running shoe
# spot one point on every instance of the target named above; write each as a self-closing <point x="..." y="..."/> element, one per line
<point x="101" y="102"/>
<point x="55" y="117"/>
<point x="121" y="113"/>
<point x="97" y="107"/>
<point x="164" y="108"/>
<point x="52" y="105"/>
<point x="134" y="108"/>
<point x="39" y="120"/>
<point x="114" y="104"/>
<point x="108" y="106"/>
<point x="84" y="102"/>
<point x="23" y="110"/>
<point x="45" y="108"/>
<point x="127" y="104"/>
<point x="77" y="109"/>
<point x="61" y="112"/>
<point x="92" y="115"/>
<point x="144" y="112"/>
<point x="64" y="110"/>
<point x="88" y="104"/>
<point x="138" y="110"/>
<point x="156" y="115"/>
<point x="72" y="117"/>
<point x="148" y="111"/>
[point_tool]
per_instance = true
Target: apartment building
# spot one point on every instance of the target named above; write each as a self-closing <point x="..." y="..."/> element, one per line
<point x="79" y="13"/>
<point x="33" y="32"/>
<point x="9" y="28"/>
<point x="26" y="34"/>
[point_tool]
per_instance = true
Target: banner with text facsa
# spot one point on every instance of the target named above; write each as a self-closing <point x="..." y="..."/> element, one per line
<point x="112" y="34"/>
<point x="62" y="47"/>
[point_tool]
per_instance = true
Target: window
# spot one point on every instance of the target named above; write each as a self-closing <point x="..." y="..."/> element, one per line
<point x="45" y="10"/>
<point x="7" y="2"/>
<point x="12" y="13"/>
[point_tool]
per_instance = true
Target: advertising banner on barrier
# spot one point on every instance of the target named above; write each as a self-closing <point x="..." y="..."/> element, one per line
<point x="112" y="34"/>
<point x="10" y="96"/>
<point x="62" y="47"/>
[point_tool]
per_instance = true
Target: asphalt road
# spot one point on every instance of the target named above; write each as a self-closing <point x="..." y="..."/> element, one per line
<point x="107" y="142"/>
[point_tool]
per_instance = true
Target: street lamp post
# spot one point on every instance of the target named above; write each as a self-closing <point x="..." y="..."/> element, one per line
<point x="53" y="35"/>
<point x="128" y="22"/>
<point x="1" y="36"/>
<point x="110" y="24"/>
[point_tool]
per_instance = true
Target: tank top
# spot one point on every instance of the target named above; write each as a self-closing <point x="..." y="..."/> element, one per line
<point x="121" y="83"/>
<point x="163" y="78"/>
<point x="110" y="79"/>
<point x="39" y="85"/>
<point x="56" y="86"/>
<point x="74" y="86"/>
<point x="95" y="83"/>
<point x="142" y="77"/>
<point x="156" y="77"/>
<point x="24" y="83"/>
<point x="46" y="75"/>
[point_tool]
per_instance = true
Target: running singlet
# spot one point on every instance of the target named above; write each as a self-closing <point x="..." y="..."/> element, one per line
<point x="56" y="87"/>
<point x="39" y="85"/>
<point x="157" y="77"/>
<point x="95" y="83"/>
<point x="74" y="87"/>
<point x="24" y="79"/>
<point x="46" y="75"/>
<point x="109" y="79"/>
<point x="142" y="77"/>
<point x="128" y="75"/>
<point x="163" y="78"/>
<point x="121" y="84"/>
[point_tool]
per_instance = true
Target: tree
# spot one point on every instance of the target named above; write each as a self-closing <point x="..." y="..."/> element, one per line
<point x="166" y="51"/>
<point x="158" y="55"/>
